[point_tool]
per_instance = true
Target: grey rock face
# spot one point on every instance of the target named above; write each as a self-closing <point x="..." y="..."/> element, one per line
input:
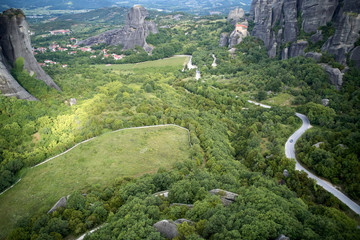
<point x="276" y="24"/>
<point x="236" y="15"/>
<point x="166" y="228"/>
<point x="286" y="173"/>
<point x="325" y="102"/>
<point x="61" y="203"/>
<point x="134" y="32"/>
<point x="9" y="86"/>
<point x="15" y="42"/>
<point x="226" y="197"/>
<point x="317" y="13"/>
<point x="355" y="56"/>
<point x="296" y="49"/>
<point x="236" y="18"/>
<point x="224" y="39"/>
<point x="336" y="76"/>
<point x="282" y="237"/>
<point x="290" y="19"/>
<point x="314" y="55"/>
<point x="316" y="37"/>
<point x="346" y="34"/>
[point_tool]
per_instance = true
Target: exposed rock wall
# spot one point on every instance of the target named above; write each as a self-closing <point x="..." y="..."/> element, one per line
<point x="134" y="32"/>
<point x="8" y="85"/>
<point x="236" y="18"/>
<point x="15" y="42"/>
<point x="276" y="23"/>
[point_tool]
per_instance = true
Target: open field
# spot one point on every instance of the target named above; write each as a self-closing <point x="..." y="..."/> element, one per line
<point x="282" y="99"/>
<point x="161" y="65"/>
<point x="97" y="163"/>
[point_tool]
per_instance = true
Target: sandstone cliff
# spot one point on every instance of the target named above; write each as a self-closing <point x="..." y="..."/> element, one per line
<point x="280" y="23"/>
<point x="236" y="18"/>
<point x="14" y="43"/>
<point x="134" y="32"/>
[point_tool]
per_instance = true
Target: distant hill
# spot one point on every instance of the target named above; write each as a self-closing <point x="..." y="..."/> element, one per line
<point x="55" y="4"/>
<point x="202" y="7"/>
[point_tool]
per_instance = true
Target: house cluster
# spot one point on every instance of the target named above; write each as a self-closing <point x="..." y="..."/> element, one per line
<point x="47" y="63"/>
<point x="60" y="32"/>
<point x="115" y="56"/>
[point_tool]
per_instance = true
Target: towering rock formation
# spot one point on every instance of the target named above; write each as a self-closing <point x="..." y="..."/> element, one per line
<point x="134" y="32"/>
<point x="236" y="18"/>
<point x="14" y="43"/>
<point x="279" y="23"/>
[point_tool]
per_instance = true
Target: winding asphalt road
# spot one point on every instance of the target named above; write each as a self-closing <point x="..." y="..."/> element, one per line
<point x="290" y="153"/>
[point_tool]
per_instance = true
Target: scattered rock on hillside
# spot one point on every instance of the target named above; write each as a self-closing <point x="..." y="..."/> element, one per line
<point x="226" y="197"/>
<point x="162" y="193"/>
<point x="317" y="145"/>
<point x="72" y="101"/>
<point x="61" y="203"/>
<point x="166" y="228"/>
<point x="325" y="102"/>
<point x="314" y="55"/>
<point x="282" y="237"/>
<point x="336" y="76"/>
<point x="182" y="204"/>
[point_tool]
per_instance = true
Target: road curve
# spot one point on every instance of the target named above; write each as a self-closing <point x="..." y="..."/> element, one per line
<point x="290" y="153"/>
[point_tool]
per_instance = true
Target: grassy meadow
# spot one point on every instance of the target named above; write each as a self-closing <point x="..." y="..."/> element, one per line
<point x="161" y="65"/>
<point x="94" y="164"/>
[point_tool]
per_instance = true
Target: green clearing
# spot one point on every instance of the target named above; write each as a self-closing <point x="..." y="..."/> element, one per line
<point x="162" y="65"/>
<point x="282" y="99"/>
<point x="94" y="164"/>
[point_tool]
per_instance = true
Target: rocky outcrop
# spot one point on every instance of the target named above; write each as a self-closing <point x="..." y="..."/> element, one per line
<point x="61" y="203"/>
<point x="238" y="34"/>
<point x="167" y="229"/>
<point x="355" y="56"/>
<point x="134" y="32"/>
<point x="8" y="85"/>
<point x="296" y="49"/>
<point x="336" y="76"/>
<point x="236" y="15"/>
<point x="15" y="43"/>
<point x="282" y="237"/>
<point x="224" y="39"/>
<point x="226" y="197"/>
<point x="276" y="23"/>
<point x="346" y="33"/>
<point x="314" y="55"/>
<point x="236" y="18"/>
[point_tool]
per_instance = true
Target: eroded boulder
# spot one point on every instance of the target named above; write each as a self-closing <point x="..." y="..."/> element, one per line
<point x="335" y="75"/>
<point x="226" y="197"/>
<point x="166" y="228"/>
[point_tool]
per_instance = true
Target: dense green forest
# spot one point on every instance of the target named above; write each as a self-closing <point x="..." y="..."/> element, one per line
<point x="236" y="146"/>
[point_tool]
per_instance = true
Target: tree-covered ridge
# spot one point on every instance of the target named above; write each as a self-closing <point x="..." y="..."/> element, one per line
<point x="236" y="146"/>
